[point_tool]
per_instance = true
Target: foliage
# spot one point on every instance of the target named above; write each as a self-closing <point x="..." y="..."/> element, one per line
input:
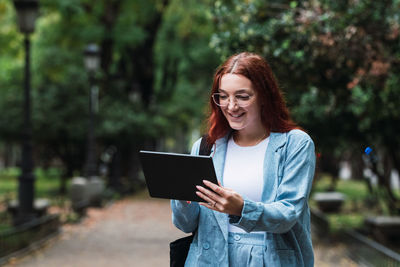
<point x="156" y="68"/>
<point x="11" y="59"/>
<point x="338" y="63"/>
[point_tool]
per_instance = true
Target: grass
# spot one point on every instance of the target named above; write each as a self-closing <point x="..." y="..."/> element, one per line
<point x="46" y="183"/>
<point x="358" y="205"/>
<point x="46" y="186"/>
<point x="340" y="222"/>
<point x="8" y="183"/>
<point x="353" y="189"/>
<point x="4" y="227"/>
<point x="355" y="207"/>
<point x="5" y="221"/>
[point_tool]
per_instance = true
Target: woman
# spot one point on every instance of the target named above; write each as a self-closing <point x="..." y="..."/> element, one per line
<point x="258" y="214"/>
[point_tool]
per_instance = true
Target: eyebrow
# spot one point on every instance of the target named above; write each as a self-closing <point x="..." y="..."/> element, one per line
<point x="244" y="90"/>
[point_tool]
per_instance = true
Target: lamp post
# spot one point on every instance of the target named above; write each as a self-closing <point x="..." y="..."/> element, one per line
<point x="27" y="12"/>
<point x="92" y="62"/>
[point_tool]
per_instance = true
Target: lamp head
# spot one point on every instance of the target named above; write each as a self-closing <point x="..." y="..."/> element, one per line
<point x="92" y="57"/>
<point x="27" y="12"/>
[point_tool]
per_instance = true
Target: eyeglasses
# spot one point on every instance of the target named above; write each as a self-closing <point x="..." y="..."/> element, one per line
<point x="222" y="100"/>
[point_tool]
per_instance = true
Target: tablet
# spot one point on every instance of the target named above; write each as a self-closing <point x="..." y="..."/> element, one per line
<point x="175" y="176"/>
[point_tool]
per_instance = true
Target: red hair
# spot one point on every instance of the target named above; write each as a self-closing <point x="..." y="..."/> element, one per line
<point x="274" y="113"/>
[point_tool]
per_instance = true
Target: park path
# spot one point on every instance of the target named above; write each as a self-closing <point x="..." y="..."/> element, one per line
<point x="132" y="232"/>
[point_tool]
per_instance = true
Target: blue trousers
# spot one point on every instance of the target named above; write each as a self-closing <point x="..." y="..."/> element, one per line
<point x="246" y="249"/>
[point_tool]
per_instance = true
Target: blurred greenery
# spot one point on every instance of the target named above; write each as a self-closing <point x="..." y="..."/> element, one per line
<point x="337" y="63"/>
<point x="353" y="189"/>
<point x="356" y="207"/>
<point x="156" y="68"/>
<point x="339" y="222"/>
<point x="46" y="185"/>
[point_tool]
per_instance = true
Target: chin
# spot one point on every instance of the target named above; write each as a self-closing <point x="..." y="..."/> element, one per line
<point x="236" y="126"/>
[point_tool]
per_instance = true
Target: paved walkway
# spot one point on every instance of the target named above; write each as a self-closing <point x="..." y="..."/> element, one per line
<point x="131" y="232"/>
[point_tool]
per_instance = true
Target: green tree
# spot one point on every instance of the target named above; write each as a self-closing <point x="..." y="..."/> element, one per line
<point x="337" y="62"/>
<point x="156" y="69"/>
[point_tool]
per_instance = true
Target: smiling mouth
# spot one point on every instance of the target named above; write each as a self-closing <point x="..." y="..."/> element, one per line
<point x="236" y="115"/>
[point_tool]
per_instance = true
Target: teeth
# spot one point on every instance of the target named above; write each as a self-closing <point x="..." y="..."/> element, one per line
<point x="236" y="116"/>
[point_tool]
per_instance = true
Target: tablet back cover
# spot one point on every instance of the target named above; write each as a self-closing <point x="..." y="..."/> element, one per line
<point x="175" y="176"/>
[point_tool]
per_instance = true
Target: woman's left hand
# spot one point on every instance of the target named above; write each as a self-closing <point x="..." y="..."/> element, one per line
<point x="220" y="198"/>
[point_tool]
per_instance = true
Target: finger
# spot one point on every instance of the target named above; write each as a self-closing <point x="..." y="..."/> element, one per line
<point x="205" y="197"/>
<point x="225" y="188"/>
<point x="207" y="205"/>
<point x="217" y="189"/>
<point x="209" y="193"/>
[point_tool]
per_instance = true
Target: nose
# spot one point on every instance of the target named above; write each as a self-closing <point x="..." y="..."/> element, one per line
<point x="232" y="104"/>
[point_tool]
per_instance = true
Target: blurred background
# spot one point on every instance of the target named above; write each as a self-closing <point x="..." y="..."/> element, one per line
<point x="92" y="83"/>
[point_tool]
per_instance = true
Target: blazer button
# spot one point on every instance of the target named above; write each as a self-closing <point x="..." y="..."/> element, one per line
<point x="206" y="245"/>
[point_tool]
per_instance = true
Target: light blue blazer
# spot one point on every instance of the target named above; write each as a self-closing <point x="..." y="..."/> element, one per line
<point x="283" y="214"/>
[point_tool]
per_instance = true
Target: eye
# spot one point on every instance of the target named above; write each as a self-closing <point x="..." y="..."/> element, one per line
<point x="223" y="97"/>
<point x="243" y="97"/>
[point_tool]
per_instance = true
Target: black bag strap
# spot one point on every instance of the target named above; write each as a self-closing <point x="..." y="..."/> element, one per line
<point x="205" y="150"/>
<point x="205" y="146"/>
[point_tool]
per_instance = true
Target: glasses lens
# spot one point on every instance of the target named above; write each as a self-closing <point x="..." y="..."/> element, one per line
<point x="223" y="100"/>
<point x="216" y="99"/>
<point x="243" y="99"/>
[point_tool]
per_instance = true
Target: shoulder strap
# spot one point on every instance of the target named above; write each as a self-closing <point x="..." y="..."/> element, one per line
<point x="205" y="147"/>
<point x="205" y="150"/>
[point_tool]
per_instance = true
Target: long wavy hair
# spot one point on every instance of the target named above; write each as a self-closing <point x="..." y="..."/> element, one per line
<point x="274" y="113"/>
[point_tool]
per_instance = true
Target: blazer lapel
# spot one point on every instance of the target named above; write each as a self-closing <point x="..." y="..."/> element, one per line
<point x="271" y="162"/>
<point x="276" y="140"/>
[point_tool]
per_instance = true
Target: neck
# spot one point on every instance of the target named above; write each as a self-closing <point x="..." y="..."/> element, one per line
<point x="250" y="138"/>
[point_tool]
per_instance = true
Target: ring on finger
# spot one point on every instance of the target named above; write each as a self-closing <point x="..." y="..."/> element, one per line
<point x="215" y="203"/>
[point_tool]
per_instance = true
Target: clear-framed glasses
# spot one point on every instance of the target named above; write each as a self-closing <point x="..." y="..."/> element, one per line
<point x="222" y="99"/>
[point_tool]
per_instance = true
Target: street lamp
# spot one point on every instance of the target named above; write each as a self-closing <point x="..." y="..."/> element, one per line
<point x="27" y="12"/>
<point x="92" y="63"/>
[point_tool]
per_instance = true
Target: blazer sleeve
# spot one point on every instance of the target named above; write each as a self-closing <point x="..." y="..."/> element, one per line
<point x="291" y="196"/>
<point x="186" y="216"/>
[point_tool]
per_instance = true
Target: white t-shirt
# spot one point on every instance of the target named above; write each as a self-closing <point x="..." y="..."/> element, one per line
<point x="243" y="171"/>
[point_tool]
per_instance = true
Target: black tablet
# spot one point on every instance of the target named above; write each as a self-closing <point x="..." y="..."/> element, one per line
<point x="175" y="176"/>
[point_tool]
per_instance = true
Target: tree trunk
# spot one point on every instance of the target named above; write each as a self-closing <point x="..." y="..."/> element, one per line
<point x="115" y="172"/>
<point x="357" y="166"/>
<point x="330" y="164"/>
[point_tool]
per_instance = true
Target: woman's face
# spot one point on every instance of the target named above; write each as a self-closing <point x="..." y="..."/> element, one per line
<point x="243" y="110"/>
